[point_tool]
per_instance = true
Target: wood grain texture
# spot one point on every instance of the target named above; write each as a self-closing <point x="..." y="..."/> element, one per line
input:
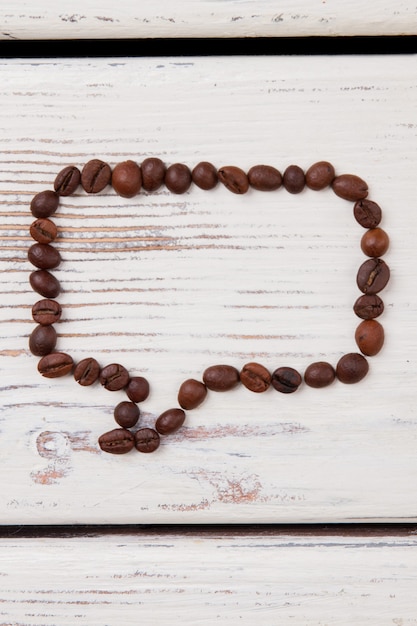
<point x="204" y="18"/>
<point x="167" y="285"/>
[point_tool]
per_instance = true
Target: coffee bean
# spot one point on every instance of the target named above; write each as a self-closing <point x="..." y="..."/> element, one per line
<point x="169" y="421"/>
<point x="255" y="377"/>
<point x="320" y="374"/>
<point x="320" y="175"/>
<point x="350" y="187"/>
<point x="147" y="440"/>
<point x="368" y="307"/>
<point x="86" y="372"/>
<point x="286" y="379"/>
<point x="153" y="173"/>
<point x="42" y="340"/>
<point x="67" y="180"/>
<point x="234" y="179"/>
<point x="367" y="213"/>
<point x="352" y="368"/>
<point x="178" y="178"/>
<point x="205" y="176"/>
<point x="95" y="176"/>
<point x="44" y="256"/>
<point x="369" y="337"/>
<point x="44" y="283"/>
<point x="264" y="178"/>
<point x="114" y="377"/>
<point x="43" y="230"/>
<point x="126" y="414"/>
<point x="55" y="364"/>
<point x="137" y="389"/>
<point x="221" y="377"/>
<point x="373" y="275"/>
<point x="191" y="394"/>
<point x="46" y="312"/>
<point x="375" y="242"/>
<point x="44" y="204"/>
<point x="294" y="179"/>
<point x="117" y="441"/>
<point x="127" y="179"/>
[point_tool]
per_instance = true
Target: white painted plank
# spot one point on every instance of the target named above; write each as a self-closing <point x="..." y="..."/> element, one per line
<point x="168" y="285"/>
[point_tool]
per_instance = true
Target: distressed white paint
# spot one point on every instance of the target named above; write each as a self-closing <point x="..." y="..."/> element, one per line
<point x="168" y="285"/>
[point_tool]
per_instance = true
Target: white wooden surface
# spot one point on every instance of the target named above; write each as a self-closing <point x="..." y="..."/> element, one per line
<point x="52" y="19"/>
<point x="168" y="285"/>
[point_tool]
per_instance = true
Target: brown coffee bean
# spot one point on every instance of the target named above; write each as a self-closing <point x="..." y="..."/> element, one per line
<point x="367" y="213"/>
<point x="320" y="175"/>
<point x="373" y="275"/>
<point x="55" y="365"/>
<point x="169" y="421"/>
<point x="44" y="283"/>
<point x="117" y="441"/>
<point x="114" y="377"/>
<point x="352" y="368"/>
<point x="87" y="371"/>
<point x="43" y="230"/>
<point x="255" y="377"/>
<point x="234" y="179"/>
<point x="46" y="312"/>
<point x="153" y="173"/>
<point x="44" y="204"/>
<point x="42" y="340"/>
<point x="221" y="377"/>
<point x="350" y="187"/>
<point x="137" y="389"/>
<point x="369" y="337"/>
<point x="95" y="176"/>
<point x="375" y="242"/>
<point x="126" y="414"/>
<point x="67" y="180"/>
<point x="178" y="178"/>
<point x="286" y="379"/>
<point x="191" y="394"/>
<point x="368" y="307"/>
<point x="294" y="179"/>
<point x="127" y="179"/>
<point x="205" y="176"/>
<point x="147" y="440"/>
<point x="264" y="178"/>
<point x="320" y="374"/>
<point x="44" y="256"/>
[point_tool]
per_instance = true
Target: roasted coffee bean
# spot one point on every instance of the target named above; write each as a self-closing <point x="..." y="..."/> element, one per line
<point x="45" y="283"/>
<point x="169" y="421"/>
<point x="352" y="368"/>
<point x="87" y="371"/>
<point x="205" y="176"/>
<point x="234" y="179"/>
<point x="147" y="440"/>
<point x="375" y="242"/>
<point x="178" y="178"/>
<point x="114" y="377"/>
<point x="264" y="178"/>
<point x="320" y="175"/>
<point x="55" y="365"/>
<point x="95" y="176"/>
<point x="43" y="230"/>
<point x="255" y="377"/>
<point x="294" y="179"/>
<point x="367" y="213"/>
<point x="44" y="256"/>
<point x="126" y="179"/>
<point x="126" y="414"/>
<point x="153" y="173"/>
<point x="137" y="389"/>
<point x="44" y="204"/>
<point x="42" y="340"/>
<point x="373" y="275"/>
<point x="67" y="180"/>
<point x="46" y="312"/>
<point x="191" y="394"/>
<point x="221" y="377"/>
<point x="369" y="337"/>
<point x="368" y="307"/>
<point x="350" y="187"/>
<point x="117" y="441"/>
<point x="320" y="374"/>
<point x="286" y="379"/>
